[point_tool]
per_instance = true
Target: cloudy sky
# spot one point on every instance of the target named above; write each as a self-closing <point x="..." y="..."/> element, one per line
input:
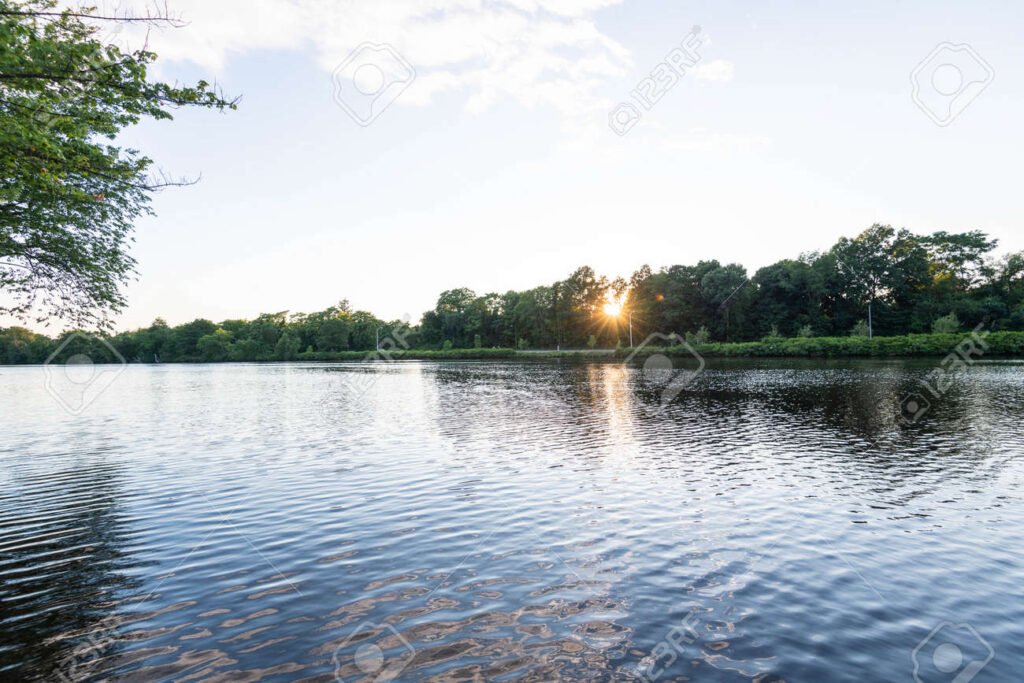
<point x="488" y="160"/>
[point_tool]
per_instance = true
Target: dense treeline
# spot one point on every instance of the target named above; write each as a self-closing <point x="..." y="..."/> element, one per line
<point x="913" y="284"/>
<point x="941" y="282"/>
<point x="274" y="336"/>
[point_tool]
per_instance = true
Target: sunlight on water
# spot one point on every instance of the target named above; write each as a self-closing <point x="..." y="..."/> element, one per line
<point x="511" y="521"/>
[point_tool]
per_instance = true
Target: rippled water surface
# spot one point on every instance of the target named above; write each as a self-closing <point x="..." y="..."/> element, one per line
<point x="535" y="521"/>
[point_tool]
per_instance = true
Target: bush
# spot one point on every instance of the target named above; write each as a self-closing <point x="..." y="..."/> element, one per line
<point x="477" y="342"/>
<point x="701" y="336"/>
<point x="949" y="324"/>
<point x="861" y="329"/>
<point x="806" y="332"/>
<point x="287" y="347"/>
<point x="933" y="345"/>
<point x="591" y="342"/>
<point x="1016" y="319"/>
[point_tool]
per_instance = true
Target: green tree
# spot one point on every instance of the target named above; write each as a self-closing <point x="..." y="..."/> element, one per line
<point x="185" y="339"/>
<point x="684" y="304"/>
<point x="582" y="298"/>
<point x="948" y="324"/>
<point x="455" y="318"/>
<point x="245" y="350"/>
<point x="534" y="316"/>
<point x="21" y="346"/>
<point x="885" y="267"/>
<point x="701" y="336"/>
<point x="68" y="196"/>
<point x="789" y="295"/>
<point x="287" y="347"/>
<point x="332" y="335"/>
<point x="214" y="347"/>
<point x="363" y="328"/>
<point x="727" y="296"/>
<point x="958" y="256"/>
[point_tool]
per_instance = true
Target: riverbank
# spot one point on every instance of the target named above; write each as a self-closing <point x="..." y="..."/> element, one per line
<point x="101" y="350"/>
<point x="909" y="346"/>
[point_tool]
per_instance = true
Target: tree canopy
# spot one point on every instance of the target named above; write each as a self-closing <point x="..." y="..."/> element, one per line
<point x="69" y="194"/>
<point x="910" y="280"/>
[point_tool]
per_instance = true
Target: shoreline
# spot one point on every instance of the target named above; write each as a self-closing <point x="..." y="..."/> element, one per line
<point x="966" y="346"/>
<point x="974" y="344"/>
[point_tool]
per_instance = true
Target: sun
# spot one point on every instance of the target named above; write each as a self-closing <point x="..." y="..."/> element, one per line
<point x="612" y="309"/>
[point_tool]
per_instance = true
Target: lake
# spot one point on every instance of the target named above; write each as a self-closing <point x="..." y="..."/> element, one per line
<point x="511" y="521"/>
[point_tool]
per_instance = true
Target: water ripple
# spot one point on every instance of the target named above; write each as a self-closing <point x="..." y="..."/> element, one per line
<point x="501" y="521"/>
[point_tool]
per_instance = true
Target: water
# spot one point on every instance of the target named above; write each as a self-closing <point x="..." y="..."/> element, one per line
<point x="500" y="521"/>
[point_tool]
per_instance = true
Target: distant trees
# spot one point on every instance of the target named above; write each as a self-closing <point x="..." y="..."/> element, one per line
<point x="880" y="271"/>
<point x="287" y="347"/>
<point x="20" y="346"/>
<point x="790" y="296"/>
<point x="565" y="313"/>
<point x="214" y="347"/>
<point x="268" y="337"/>
<point x="332" y="334"/>
<point x="947" y="324"/>
<point x="941" y="282"/>
<point x="908" y="281"/>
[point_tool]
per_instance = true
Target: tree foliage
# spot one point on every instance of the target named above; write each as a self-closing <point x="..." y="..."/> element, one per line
<point x="916" y="284"/>
<point x="910" y="281"/>
<point x="69" y="195"/>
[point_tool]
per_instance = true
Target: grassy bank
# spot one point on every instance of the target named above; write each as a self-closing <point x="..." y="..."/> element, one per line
<point x="410" y="354"/>
<point x="909" y="346"/>
<point x="457" y="354"/>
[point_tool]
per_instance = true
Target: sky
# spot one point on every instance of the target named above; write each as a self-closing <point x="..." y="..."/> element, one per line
<point x="489" y="162"/>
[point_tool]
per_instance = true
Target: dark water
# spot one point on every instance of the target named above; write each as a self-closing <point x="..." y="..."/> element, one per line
<point x="541" y="521"/>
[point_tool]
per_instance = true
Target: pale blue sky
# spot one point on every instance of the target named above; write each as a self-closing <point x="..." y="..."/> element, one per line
<point x="496" y="169"/>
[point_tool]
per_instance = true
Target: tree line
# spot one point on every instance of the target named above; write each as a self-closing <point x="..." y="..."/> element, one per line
<point x="269" y="337"/>
<point x="911" y="284"/>
<point x="942" y="282"/>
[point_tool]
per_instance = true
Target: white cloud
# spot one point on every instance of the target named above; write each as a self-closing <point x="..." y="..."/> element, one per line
<point x="659" y="136"/>
<point x="537" y="52"/>
<point x="702" y="139"/>
<point x="718" y="70"/>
